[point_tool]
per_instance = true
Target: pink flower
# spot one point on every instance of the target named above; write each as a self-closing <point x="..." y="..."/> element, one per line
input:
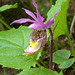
<point x="37" y="23"/>
<point x="38" y="36"/>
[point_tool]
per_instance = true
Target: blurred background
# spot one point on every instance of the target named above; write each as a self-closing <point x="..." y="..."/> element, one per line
<point x="43" y="5"/>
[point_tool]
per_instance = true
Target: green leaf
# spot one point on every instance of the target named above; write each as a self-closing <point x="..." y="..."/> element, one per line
<point x="6" y="7"/>
<point x="66" y="64"/>
<point x="18" y="62"/>
<point x="61" y="17"/>
<point x="61" y="73"/>
<point x="38" y="71"/>
<point x="55" y="9"/>
<point x="61" y="55"/>
<point x="12" y="45"/>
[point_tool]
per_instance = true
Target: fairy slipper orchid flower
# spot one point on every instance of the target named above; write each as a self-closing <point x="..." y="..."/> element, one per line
<point x="38" y="35"/>
<point x="37" y="41"/>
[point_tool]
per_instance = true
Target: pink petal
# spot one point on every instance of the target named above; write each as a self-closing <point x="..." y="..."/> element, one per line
<point x="36" y="26"/>
<point x="43" y="39"/>
<point x="39" y="17"/>
<point x="35" y="5"/>
<point x="30" y="13"/>
<point x="31" y="38"/>
<point x="23" y="20"/>
<point x="49" y="23"/>
<point x="56" y="13"/>
<point x="55" y="27"/>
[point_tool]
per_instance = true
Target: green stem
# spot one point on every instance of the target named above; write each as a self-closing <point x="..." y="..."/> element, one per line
<point x="51" y="3"/>
<point x="37" y="62"/>
<point x="56" y="47"/>
<point x="70" y="43"/>
<point x="5" y="24"/>
<point x="43" y="63"/>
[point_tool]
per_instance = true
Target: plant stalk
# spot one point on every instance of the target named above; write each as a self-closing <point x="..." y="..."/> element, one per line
<point x="36" y="62"/>
<point x="42" y="63"/>
<point x="5" y="24"/>
<point x="51" y="49"/>
<point x="70" y="43"/>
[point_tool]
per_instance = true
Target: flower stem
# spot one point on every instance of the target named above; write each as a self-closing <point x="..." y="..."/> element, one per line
<point x="5" y="24"/>
<point x="36" y="62"/>
<point x="43" y="63"/>
<point x="51" y="49"/>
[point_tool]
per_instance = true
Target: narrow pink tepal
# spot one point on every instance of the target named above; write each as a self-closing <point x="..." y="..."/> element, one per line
<point x="37" y="22"/>
<point x="38" y="36"/>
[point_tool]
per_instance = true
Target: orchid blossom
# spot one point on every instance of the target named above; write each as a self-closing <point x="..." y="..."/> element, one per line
<point x="38" y="36"/>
